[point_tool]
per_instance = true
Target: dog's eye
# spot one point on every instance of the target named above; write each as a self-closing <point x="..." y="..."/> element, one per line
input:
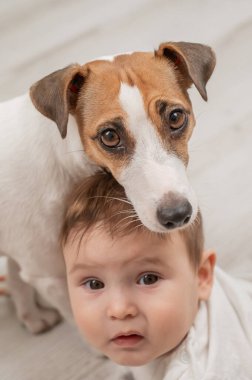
<point x="110" y="138"/>
<point x="177" y="119"/>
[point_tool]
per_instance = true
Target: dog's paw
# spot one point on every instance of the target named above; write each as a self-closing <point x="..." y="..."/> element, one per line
<point x="40" y="320"/>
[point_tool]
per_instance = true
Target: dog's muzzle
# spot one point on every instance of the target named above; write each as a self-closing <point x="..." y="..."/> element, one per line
<point x="174" y="211"/>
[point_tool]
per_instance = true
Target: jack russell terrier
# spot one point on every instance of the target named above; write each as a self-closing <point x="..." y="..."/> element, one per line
<point x="129" y="114"/>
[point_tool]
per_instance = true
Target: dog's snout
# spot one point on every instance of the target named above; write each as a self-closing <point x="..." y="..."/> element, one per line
<point x="174" y="211"/>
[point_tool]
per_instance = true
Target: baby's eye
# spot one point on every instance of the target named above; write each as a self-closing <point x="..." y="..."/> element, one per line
<point x="148" y="279"/>
<point x="93" y="284"/>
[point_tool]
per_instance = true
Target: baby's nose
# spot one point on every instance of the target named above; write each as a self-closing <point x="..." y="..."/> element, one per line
<point x="121" y="307"/>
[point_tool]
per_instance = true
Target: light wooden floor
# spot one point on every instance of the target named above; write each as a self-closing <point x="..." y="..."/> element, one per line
<point x="38" y="37"/>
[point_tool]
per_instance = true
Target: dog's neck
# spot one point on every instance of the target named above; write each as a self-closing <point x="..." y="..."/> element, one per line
<point x="75" y="161"/>
<point x="71" y="160"/>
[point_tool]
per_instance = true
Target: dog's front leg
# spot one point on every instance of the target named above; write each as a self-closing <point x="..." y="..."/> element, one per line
<point x="53" y="290"/>
<point x="33" y="317"/>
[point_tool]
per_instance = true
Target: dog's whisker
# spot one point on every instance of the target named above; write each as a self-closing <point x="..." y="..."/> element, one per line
<point x="128" y="212"/>
<point x="124" y="200"/>
<point x="195" y="223"/>
<point x="140" y="224"/>
<point x="137" y="227"/>
<point x="132" y="216"/>
<point x="128" y="217"/>
<point x="122" y="223"/>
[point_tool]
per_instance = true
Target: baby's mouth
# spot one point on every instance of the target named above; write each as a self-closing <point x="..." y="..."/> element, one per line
<point x="127" y="339"/>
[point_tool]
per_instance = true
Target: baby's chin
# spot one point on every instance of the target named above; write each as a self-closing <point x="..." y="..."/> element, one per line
<point x="128" y="361"/>
<point x="132" y="359"/>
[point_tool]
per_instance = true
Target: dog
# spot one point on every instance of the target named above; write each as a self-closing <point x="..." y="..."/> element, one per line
<point x="130" y="115"/>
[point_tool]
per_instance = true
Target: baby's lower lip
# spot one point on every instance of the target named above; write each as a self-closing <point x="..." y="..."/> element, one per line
<point x="127" y="340"/>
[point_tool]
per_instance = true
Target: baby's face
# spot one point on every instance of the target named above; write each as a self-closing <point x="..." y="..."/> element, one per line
<point x="135" y="297"/>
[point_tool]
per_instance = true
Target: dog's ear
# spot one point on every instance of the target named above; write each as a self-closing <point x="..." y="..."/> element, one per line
<point x="56" y="95"/>
<point x="195" y="62"/>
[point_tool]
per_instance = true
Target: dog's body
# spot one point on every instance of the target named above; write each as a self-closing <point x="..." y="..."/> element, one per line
<point x="133" y="117"/>
<point x="37" y="170"/>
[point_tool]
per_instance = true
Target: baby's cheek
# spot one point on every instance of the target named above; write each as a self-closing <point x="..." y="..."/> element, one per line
<point x="174" y="330"/>
<point x="92" y="325"/>
<point x="173" y="320"/>
<point x="84" y="319"/>
<point x="81" y="313"/>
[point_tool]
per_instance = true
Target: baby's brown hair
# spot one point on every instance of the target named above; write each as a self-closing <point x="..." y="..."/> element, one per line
<point x="100" y="201"/>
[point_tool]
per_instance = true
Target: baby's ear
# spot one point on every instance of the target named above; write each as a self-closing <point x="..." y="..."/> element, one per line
<point x="206" y="274"/>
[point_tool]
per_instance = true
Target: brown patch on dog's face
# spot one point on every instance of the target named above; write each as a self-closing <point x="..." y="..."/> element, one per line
<point x="107" y="137"/>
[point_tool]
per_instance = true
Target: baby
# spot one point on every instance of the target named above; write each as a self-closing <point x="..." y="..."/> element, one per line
<point x="147" y="300"/>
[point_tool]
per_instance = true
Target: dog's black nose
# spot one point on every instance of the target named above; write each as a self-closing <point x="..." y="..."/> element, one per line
<point x="174" y="211"/>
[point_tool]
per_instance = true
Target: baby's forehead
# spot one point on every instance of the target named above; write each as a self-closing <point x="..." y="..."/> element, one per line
<point x="99" y="244"/>
<point x="99" y="232"/>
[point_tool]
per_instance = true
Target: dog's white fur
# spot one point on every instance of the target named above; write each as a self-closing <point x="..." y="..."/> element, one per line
<point x="37" y="169"/>
<point x="161" y="172"/>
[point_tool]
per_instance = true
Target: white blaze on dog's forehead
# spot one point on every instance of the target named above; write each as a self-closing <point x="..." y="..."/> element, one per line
<point x="148" y="143"/>
<point x="110" y="58"/>
<point x="132" y="103"/>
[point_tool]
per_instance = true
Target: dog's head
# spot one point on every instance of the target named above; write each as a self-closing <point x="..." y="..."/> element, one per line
<point x="135" y="118"/>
